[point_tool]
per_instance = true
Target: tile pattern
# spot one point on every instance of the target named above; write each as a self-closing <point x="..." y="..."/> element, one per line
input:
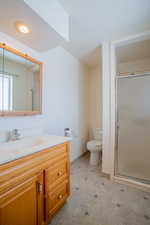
<point x="95" y="200"/>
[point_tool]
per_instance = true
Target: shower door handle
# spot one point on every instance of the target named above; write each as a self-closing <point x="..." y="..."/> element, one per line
<point x="117" y="120"/>
<point x="117" y="125"/>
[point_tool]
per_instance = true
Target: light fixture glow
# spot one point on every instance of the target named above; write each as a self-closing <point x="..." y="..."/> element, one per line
<point x="22" y="28"/>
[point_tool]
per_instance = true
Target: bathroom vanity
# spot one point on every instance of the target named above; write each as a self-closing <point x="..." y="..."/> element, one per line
<point x="34" y="184"/>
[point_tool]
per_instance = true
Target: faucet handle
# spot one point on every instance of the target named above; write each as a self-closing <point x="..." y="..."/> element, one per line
<point x="14" y="135"/>
<point x="16" y="132"/>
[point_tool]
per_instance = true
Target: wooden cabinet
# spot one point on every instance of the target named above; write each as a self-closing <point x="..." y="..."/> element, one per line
<point x="34" y="188"/>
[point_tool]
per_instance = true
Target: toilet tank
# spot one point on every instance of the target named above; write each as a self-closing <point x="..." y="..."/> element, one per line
<point x="97" y="133"/>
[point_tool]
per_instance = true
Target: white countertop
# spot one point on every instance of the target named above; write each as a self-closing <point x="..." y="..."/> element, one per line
<point x="16" y="149"/>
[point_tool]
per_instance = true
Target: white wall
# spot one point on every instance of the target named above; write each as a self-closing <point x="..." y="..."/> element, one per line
<point x="65" y="88"/>
<point x="95" y="98"/>
<point x="108" y="96"/>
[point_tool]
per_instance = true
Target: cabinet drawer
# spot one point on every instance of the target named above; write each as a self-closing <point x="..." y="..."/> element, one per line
<point x="56" y="173"/>
<point x="57" y="198"/>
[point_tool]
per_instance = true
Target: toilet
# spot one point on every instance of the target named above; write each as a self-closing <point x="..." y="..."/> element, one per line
<point x="95" y="147"/>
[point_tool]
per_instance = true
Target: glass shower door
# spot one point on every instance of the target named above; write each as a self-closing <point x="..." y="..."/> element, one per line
<point x="133" y="127"/>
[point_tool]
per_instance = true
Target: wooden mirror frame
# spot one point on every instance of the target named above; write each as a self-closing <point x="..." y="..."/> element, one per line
<point x="25" y="56"/>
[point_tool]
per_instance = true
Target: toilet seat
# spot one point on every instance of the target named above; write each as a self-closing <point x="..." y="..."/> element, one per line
<point x="94" y="145"/>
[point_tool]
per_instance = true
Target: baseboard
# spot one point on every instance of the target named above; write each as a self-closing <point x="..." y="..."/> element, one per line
<point x="79" y="156"/>
<point x="106" y="175"/>
<point x="141" y="186"/>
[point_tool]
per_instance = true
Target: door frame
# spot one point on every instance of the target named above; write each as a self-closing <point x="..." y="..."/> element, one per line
<point x="113" y="107"/>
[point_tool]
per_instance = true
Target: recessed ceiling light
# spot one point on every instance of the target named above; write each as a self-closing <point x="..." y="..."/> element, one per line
<point x="23" y="28"/>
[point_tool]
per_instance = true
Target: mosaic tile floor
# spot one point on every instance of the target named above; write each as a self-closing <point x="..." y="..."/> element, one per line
<point x="95" y="200"/>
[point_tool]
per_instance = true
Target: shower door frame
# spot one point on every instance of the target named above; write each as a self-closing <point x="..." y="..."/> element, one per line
<point x="113" y="111"/>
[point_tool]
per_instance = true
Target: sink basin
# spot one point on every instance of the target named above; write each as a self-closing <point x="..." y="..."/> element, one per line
<point x="28" y="145"/>
<point x="25" y="143"/>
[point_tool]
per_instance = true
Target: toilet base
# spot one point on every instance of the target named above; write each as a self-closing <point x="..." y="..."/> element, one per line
<point x="94" y="158"/>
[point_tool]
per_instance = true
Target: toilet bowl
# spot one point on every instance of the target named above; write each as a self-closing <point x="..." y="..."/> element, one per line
<point x="95" y="147"/>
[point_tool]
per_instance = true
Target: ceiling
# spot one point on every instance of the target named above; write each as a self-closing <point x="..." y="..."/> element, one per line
<point x="42" y="37"/>
<point x="91" y="22"/>
<point x="134" y="51"/>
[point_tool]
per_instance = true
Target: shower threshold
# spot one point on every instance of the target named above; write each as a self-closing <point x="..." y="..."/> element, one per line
<point x="135" y="182"/>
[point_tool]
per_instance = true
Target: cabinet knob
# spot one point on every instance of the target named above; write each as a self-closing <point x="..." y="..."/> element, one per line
<point x="60" y="196"/>
<point x="59" y="173"/>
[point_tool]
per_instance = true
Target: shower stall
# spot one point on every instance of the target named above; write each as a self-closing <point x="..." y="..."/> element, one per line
<point x="132" y="147"/>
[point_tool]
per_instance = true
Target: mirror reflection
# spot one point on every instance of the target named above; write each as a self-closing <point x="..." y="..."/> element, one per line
<point x="19" y="83"/>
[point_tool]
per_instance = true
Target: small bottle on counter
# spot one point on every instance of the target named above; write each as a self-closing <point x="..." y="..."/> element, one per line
<point x="67" y="132"/>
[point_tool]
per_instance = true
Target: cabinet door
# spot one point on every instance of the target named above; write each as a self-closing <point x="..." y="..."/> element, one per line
<point x="22" y="204"/>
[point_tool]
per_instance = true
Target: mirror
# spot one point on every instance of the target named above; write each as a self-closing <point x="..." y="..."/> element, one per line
<point x="20" y="83"/>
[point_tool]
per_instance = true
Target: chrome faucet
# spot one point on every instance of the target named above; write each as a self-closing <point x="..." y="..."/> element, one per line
<point x="15" y="135"/>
